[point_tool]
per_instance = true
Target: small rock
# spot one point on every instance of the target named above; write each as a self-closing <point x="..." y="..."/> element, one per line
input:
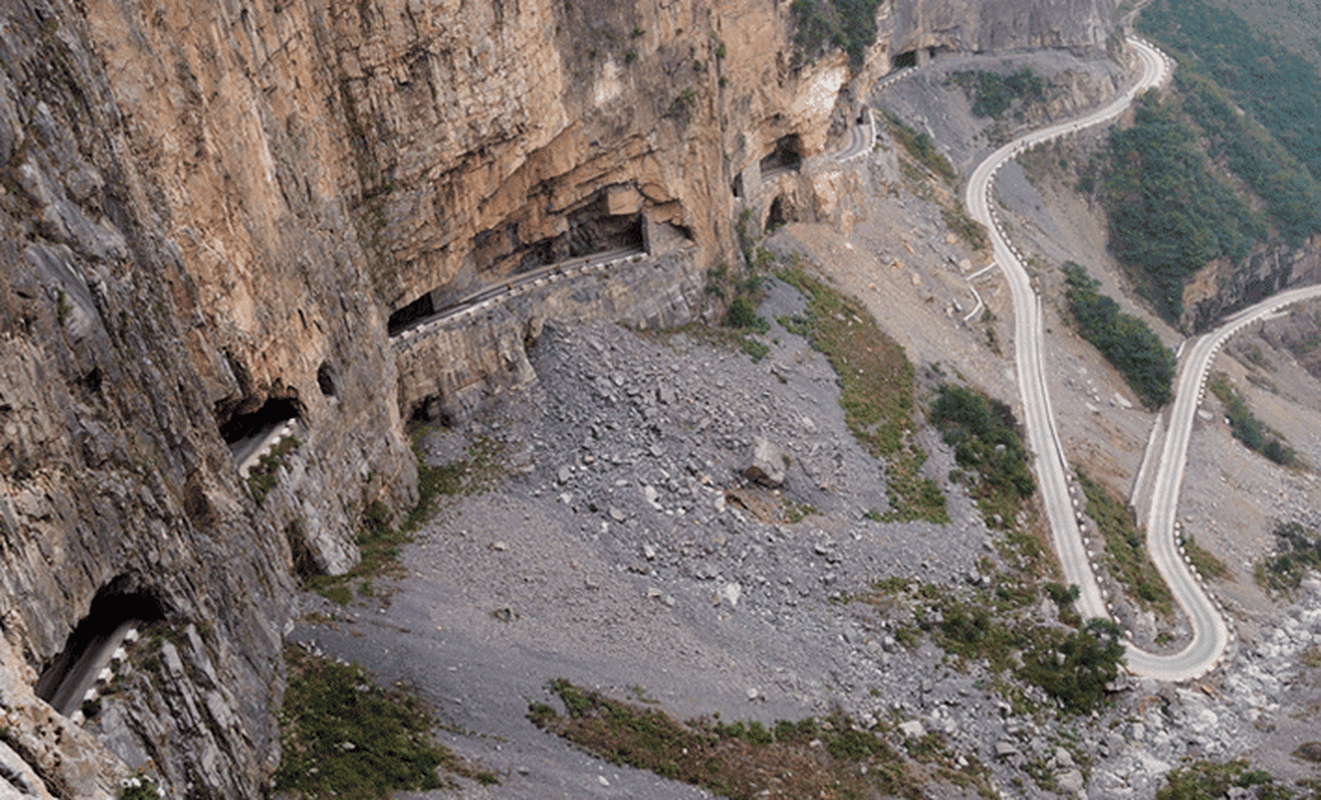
<point x="752" y="694"/>
<point x="912" y="729"/>
<point x="1005" y="748"/>
<point x="565" y="473"/>
<point x="617" y="515"/>
<point x="499" y="546"/>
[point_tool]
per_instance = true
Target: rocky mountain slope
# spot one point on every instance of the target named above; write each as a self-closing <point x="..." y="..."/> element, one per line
<point x="213" y="215"/>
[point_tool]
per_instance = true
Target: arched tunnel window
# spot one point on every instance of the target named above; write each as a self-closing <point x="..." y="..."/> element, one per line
<point x="779" y="214"/>
<point x="905" y="59"/>
<point x="273" y="412"/>
<point x="116" y="608"/>
<point x="404" y="318"/>
<point x="787" y="154"/>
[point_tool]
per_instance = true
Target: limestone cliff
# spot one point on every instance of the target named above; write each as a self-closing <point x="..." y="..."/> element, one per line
<point x="215" y="214"/>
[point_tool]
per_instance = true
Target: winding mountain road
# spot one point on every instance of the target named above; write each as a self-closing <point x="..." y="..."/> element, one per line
<point x="1211" y="635"/>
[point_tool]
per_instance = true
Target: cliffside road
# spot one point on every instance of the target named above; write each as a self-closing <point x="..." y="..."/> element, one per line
<point x="861" y="138"/>
<point x="489" y="295"/>
<point x="1210" y="634"/>
<point x="74" y="682"/>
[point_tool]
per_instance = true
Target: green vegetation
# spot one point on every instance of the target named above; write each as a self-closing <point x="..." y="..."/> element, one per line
<point x="1205" y="780"/>
<point x="1276" y="87"/>
<point x="992" y="93"/>
<point x="982" y="432"/>
<point x="379" y="541"/>
<point x="1249" y="430"/>
<point x="1207" y="564"/>
<point x="265" y="474"/>
<point x="1298" y="550"/>
<point x="1071" y="666"/>
<point x="1168" y="215"/>
<point x="1292" y="196"/>
<point x="750" y="760"/>
<point x="343" y="736"/>
<point x="876" y="391"/>
<point x="922" y="150"/>
<point x="1125" y="548"/>
<point x="1126" y="341"/>
<point x="138" y="787"/>
<point x="849" y="25"/>
<point x="921" y="147"/>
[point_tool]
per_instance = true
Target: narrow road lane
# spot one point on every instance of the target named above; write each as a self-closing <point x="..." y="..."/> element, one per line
<point x="1210" y="634"/>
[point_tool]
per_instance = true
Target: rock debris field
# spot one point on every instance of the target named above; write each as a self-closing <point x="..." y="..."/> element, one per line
<point x="625" y="549"/>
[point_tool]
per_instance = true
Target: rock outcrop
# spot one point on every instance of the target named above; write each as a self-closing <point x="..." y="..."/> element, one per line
<point x="1222" y="287"/>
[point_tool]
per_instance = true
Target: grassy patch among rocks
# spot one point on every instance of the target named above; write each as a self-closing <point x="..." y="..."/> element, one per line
<point x="379" y="540"/>
<point x="830" y="757"/>
<point x="876" y="384"/>
<point x="1125" y="549"/>
<point x="343" y="736"/>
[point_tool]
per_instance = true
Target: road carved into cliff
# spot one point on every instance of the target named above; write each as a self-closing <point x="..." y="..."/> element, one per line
<point x="1060" y="497"/>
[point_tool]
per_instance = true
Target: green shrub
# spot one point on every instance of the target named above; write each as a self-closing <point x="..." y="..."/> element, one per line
<point x="1169" y="215"/>
<point x="1249" y="430"/>
<point x="849" y="25"/>
<point x="993" y="93"/>
<point x="982" y="432"/>
<point x="343" y="736"/>
<point x="1126" y="341"/>
<point x="1298" y="550"/>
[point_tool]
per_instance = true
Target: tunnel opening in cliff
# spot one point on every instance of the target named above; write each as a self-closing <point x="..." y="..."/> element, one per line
<point x="408" y="316"/>
<point x="908" y="58"/>
<point x="117" y="607"/>
<point x="242" y="428"/>
<point x="594" y="230"/>
<point x="780" y="214"/>
<point x="786" y="155"/>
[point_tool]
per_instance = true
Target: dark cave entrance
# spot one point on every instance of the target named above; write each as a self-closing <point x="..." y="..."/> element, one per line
<point x="593" y="229"/>
<point x="905" y="59"/>
<point x="779" y="214"/>
<point x="408" y="316"/>
<point x="117" y="607"/>
<point x="787" y="154"/>
<point x="244" y="432"/>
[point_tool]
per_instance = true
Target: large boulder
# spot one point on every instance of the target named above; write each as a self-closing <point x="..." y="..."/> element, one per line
<point x="768" y="463"/>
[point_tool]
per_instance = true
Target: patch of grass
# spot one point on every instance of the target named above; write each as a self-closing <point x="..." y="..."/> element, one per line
<point x="1070" y="666"/>
<point x="1249" y="430"/>
<point x="982" y="431"/>
<point x="795" y="512"/>
<point x="343" y="736"/>
<point x="876" y="382"/>
<point x="1298" y="551"/>
<point x="1205" y="779"/>
<point x="1125" y="548"/>
<point x="138" y="787"/>
<point x="1207" y="564"/>
<point x="739" y="760"/>
<point x="965" y="227"/>
<point x="921" y="147"/>
<point x="264" y="475"/>
<point x="992" y="94"/>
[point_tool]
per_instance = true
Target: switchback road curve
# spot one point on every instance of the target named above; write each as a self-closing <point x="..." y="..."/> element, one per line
<point x="1210" y="633"/>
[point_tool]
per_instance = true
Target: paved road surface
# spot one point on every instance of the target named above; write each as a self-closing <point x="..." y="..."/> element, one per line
<point x="1210" y="635"/>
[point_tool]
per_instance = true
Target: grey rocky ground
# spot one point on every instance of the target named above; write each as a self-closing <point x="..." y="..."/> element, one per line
<point x="626" y="550"/>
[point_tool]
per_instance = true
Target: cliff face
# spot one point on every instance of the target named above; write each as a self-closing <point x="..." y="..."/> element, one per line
<point x="1222" y="287"/>
<point x="210" y="215"/>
